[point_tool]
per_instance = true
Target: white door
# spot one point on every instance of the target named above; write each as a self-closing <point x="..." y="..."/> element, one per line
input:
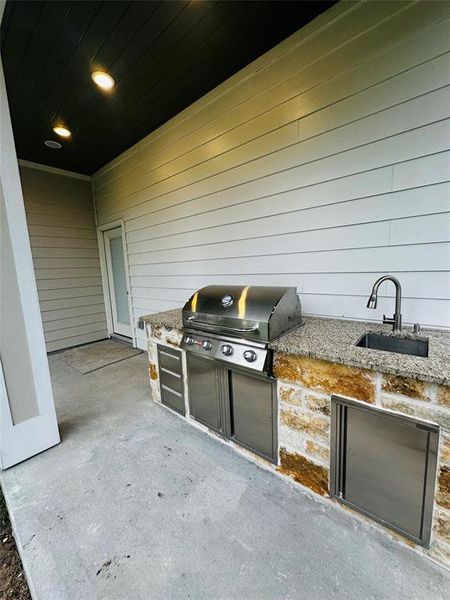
<point x="117" y="282"/>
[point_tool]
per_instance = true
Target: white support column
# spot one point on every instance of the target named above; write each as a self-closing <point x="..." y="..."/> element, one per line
<point x="28" y="422"/>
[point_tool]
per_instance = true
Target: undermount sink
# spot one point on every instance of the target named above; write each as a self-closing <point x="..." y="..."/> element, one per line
<point x="400" y="345"/>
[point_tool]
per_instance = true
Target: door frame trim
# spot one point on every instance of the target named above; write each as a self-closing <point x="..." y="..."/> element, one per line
<point x="101" y="229"/>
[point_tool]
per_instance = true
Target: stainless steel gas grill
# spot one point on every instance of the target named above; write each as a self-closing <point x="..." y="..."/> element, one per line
<point x="235" y="323"/>
<point x="226" y="333"/>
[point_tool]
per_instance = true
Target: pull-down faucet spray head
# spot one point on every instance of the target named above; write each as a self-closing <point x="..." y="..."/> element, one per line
<point x="372" y="302"/>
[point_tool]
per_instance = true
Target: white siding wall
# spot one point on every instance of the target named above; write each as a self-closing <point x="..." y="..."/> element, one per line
<point x="322" y="164"/>
<point x="65" y="255"/>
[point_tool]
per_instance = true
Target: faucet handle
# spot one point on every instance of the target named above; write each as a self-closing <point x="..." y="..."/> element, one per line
<point x="416" y="327"/>
<point x="388" y="320"/>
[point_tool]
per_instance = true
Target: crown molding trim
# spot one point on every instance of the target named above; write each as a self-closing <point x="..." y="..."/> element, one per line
<point x="54" y="170"/>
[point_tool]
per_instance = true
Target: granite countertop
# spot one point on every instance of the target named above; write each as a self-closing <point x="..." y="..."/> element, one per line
<point x="168" y="318"/>
<point x="334" y="340"/>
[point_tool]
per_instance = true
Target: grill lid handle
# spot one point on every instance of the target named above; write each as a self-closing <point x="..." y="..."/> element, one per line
<point x="226" y="327"/>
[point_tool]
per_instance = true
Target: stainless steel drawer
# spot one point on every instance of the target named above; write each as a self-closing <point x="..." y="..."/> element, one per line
<point x="170" y="359"/>
<point x="384" y="465"/>
<point x="172" y="399"/>
<point x="171" y="378"/>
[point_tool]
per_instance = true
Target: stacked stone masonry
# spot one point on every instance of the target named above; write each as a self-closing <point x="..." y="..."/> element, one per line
<point x="305" y="386"/>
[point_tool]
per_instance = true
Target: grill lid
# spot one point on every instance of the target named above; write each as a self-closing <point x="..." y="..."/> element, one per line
<point x="252" y="312"/>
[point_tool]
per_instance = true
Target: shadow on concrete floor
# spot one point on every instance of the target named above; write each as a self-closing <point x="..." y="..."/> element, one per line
<point x="136" y="504"/>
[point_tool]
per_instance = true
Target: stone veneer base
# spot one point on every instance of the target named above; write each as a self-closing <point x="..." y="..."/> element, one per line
<point x="305" y="386"/>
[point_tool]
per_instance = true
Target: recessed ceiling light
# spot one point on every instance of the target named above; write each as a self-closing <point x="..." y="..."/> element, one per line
<point x="103" y="80"/>
<point x="62" y="131"/>
<point x="53" y="144"/>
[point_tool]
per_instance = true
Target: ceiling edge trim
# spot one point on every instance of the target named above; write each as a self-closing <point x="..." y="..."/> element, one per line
<point x="54" y="170"/>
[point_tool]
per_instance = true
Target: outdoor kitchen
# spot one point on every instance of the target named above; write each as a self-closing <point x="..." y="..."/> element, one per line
<point x="225" y="299"/>
<point x="367" y="426"/>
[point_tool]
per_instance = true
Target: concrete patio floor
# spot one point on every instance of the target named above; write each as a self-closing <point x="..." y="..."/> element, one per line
<point x="136" y="504"/>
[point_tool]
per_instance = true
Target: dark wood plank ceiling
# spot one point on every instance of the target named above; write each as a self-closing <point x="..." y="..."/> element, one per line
<point x="162" y="55"/>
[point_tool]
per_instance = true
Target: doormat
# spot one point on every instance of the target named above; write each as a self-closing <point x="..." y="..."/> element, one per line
<point x="98" y="355"/>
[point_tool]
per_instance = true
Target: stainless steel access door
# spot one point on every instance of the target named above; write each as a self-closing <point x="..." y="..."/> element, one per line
<point x="384" y="465"/>
<point x="253" y="413"/>
<point x="239" y="406"/>
<point x="205" y="382"/>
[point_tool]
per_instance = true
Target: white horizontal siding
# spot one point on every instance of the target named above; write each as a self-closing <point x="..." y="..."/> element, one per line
<point x="65" y="283"/>
<point x="212" y="176"/>
<point x="322" y="165"/>
<point x="69" y="332"/>
<point x="41" y="241"/>
<point x="428" y="285"/>
<point x="77" y="311"/>
<point x="94" y="290"/>
<point x="206" y="234"/>
<point x="95" y="318"/>
<point x="72" y="338"/>
<point x="269" y="83"/>
<point x="65" y="256"/>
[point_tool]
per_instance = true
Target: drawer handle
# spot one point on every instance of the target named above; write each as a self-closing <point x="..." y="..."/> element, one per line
<point x="214" y="327"/>
<point x="168" y="389"/>
<point x="171" y="372"/>
<point x="169" y="355"/>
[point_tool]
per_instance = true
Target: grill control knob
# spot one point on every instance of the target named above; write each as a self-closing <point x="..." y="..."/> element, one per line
<point x="189" y="340"/>
<point x="227" y="350"/>
<point x="206" y="344"/>
<point x="250" y="355"/>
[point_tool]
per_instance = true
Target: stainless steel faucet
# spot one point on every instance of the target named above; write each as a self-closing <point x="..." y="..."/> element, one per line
<point x="396" y="320"/>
